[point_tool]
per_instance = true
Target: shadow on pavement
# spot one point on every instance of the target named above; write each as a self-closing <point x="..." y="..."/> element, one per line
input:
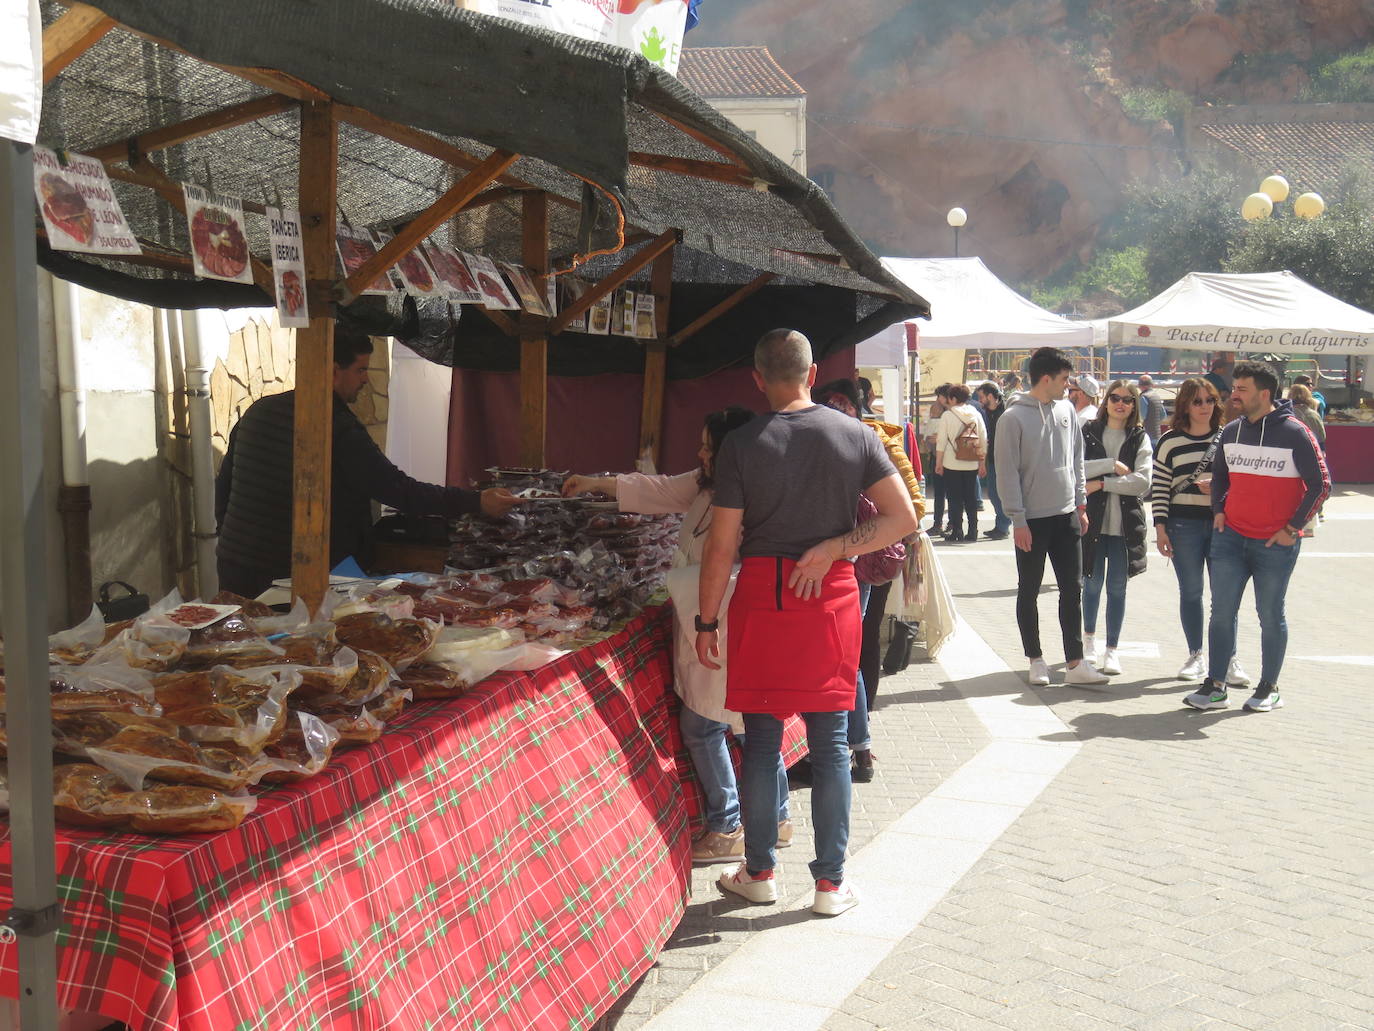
<point x="1181" y="724"/>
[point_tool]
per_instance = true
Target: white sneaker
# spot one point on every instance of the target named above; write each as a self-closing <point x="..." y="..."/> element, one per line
<point x="762" y="888"/>
<point x="1195" y="667"/>
<point x="1084" y="673"/>
<point x="833" y="899"/>
<point x="1235" y="676"/>
<point x="1090" y="646"/>
<point x="1110" y="663"/>
<point x="1039" y="673"/>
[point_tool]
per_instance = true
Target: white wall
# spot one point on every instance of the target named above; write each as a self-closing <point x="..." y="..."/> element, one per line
<point x="780" y="125"/>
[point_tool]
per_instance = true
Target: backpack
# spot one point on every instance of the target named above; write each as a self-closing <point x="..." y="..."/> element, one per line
<point x="967" y="446"/>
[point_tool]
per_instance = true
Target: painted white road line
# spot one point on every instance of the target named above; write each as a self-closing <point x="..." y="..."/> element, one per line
<point x="788" y="976"/>
<point x="1340" y="660"/>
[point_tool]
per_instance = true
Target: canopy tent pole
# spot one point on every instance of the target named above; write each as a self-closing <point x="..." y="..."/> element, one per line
<point x="314" y="415"/>
<point x="23" y="594"/>
<point x="534" y="340"/>
<point x="656" y="361"/>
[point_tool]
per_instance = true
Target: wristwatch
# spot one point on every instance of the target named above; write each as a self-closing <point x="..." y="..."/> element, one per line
<point x="707" y="628"/>
<point x="1294" y="533"/>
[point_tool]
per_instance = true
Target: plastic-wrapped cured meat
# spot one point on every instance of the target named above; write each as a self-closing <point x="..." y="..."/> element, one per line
<point x="399" y="641"/>
<point x="303" y="751"/>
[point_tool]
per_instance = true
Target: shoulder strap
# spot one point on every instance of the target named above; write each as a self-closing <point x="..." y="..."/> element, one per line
<point x="1203" y="465"/>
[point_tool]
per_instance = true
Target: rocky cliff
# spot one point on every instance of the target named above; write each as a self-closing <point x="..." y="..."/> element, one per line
<point x="1030" y="114"/>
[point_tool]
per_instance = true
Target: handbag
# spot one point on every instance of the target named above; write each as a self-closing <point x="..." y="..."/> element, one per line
<point x="967" y="446"/>
<point x="114" y="610"/>
<point x="877" y="567"/>
<point x="902" y="635"/>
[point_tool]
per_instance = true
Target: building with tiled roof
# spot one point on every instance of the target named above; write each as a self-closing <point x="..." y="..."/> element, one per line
<point x="748" y="86"/>
<point x="1313" y="146"/>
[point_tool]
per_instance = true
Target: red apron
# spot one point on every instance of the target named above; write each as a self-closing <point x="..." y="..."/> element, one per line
<point x="785" y="655"/>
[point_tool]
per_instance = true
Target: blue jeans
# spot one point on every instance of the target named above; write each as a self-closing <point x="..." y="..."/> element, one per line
<point x="1192" y="543"/>
<point x="1003" y="524"/>
<point x="1110" y="566"/>
<point x="707" y="745"/>
<point x="1236" y="559"/>
<point x="859" y="737"/>
<point x="830" y="789"/>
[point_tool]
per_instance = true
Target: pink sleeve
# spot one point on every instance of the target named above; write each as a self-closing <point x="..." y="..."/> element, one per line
<point x="656" y="495"/>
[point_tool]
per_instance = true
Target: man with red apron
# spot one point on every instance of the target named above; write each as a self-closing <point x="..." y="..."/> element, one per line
<point x="791" y="481"/>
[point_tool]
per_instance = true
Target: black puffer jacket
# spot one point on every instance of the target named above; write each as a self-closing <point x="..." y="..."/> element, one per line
<point x="253" y="492"/>
<point x="1132" y="508"/>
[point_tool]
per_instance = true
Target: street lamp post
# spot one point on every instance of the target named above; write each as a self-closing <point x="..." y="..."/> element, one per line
<point x="956" y="218"/>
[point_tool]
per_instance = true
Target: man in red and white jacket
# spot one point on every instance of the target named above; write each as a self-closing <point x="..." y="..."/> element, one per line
<point x="1268" y="478"/>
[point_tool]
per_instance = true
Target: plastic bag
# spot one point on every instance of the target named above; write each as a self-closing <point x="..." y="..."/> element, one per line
<point x="147" y="643"/>
<point x="206" y="767"/>
<point x="104" y="686"/>
<point x="231" y="641"/>
<point x="76" y="645"/>
<point x="398" y="641"/>
<point x="85" y="795"/>
<point x="245" y="708"/>
<point x="303" y="751"/>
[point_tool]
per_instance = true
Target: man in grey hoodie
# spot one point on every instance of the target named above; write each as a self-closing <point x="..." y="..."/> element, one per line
<point x="1039" y="462"/>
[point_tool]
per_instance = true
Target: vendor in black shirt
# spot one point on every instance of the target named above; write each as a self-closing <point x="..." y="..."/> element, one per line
<point x="255" y="486"/>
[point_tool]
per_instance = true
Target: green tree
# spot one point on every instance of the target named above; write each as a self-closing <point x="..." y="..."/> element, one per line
<point x="1187" y="225"/>
<point x="1347" y="79"/>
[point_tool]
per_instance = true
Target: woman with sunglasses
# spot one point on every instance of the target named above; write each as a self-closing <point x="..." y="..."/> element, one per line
<point x="1116" y="465"/>
<point x="705" y="721"/>
<point x="1181" y="499"/>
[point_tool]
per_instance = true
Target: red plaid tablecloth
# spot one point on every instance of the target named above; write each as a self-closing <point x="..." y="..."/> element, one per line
<point x="513" y="859"/>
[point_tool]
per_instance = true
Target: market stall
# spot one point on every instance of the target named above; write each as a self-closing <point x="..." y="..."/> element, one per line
<point x="341" y="119"/>
<point x="1268" y="314"/>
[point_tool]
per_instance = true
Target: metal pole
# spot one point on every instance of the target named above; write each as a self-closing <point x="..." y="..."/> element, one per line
<point x="956" y="241"/>
<point x="23" y="557"/>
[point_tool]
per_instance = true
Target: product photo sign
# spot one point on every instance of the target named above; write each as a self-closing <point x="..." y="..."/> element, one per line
<point x="80" y="211"/>
<point x="219" y="244"/>
<point x="288" y="267"/>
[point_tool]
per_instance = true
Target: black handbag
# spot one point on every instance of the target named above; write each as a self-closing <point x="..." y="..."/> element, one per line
<point x="130" y="606"/>
<point x="898" y="654"/>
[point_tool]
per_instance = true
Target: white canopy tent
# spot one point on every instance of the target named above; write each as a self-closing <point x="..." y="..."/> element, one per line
<point x="1263" y="311"/>
<point x="971" y="309"/>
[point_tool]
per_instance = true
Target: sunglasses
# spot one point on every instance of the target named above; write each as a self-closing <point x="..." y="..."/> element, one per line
<point x="1204" y="402"/>
<point x="1117" y="399"/>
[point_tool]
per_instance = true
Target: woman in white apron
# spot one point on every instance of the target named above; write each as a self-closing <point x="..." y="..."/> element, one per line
<point x="705" y="720"/>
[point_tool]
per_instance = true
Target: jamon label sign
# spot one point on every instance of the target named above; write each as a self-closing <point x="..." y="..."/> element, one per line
<point x="219" y="245"/>
<point x="80" y="210"/>
<point x="288" y="267"/>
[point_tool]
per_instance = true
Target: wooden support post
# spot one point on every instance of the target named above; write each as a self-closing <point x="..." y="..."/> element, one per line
<point x="75" y="32"/>
<point x="656" y="361"/>
<point x="319" y="162"/>
<point x="534" y="340"/>
<point x="700" y="323"/>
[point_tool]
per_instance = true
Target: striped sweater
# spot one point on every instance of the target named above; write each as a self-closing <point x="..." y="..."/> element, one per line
<point x="1177" y="455"/>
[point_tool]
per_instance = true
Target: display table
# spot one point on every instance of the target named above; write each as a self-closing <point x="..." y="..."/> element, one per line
<point x="511" y="859"/>
<point x="1350" y="452"/>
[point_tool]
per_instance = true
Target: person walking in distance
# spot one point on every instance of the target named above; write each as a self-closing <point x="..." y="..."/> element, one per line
<point x="1181" y="501"/>
<point x="1151" y="407"/>
<point x="791" y="481"/>
<point x="1040" y="481"/>
<point x="1268" y="479"/>
<point x="961" y="448"/>
<point x="1116" y="462"/>
<point x="993" y="407"/>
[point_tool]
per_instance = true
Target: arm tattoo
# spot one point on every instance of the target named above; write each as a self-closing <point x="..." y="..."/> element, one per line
<point x="860" y="535"/>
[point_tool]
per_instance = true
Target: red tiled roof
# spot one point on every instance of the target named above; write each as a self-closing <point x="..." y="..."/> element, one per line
<point x="735" y="72"/>
<point x="1309" y="154"/>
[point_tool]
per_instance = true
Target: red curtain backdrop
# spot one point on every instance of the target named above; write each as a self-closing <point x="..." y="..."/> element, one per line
<point x="593" y="421"/>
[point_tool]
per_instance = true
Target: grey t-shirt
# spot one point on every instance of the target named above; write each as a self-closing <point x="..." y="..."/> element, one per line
<point x="797" y="475"/>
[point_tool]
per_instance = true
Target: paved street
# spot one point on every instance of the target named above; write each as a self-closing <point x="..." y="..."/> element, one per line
<point x="1080" y="858"/>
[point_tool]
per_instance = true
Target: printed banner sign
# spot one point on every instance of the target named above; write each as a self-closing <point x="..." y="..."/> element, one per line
<point x="288" y="267"/>
<point x="651" y="28"/>
<point x="80" y="210"/>
<point x="219" y="244"/>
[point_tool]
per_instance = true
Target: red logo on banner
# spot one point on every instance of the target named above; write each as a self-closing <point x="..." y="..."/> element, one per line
<point x="1143" y="331"/>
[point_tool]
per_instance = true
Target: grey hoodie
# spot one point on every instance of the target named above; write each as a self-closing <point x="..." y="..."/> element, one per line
<point x="1039" y="457"/>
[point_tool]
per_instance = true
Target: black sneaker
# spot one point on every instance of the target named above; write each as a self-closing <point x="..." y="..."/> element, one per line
<point x="1266" y="697"/>
<point x="1210" y="695"/>
<point x="995" y="535"/>
<point x="862" y="770"/>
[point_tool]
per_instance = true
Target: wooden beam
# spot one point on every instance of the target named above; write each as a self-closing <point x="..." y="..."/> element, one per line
<point x="706" y="141"/>
<point x="267" y="78"/>
<point x="75" y="32"/>
<point x="714" y="171"/>
<point x="500" y="320"/>
<point x="698" y="324"/>
<point x="656" y="361"/>
<point x="193" y="128"/>
<point x="163" y="184"/>
<point x="534" y="341"/>
<point x="663" y="242"/>
<point x="426" y="222"/>
<point x="314" y="410"/>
